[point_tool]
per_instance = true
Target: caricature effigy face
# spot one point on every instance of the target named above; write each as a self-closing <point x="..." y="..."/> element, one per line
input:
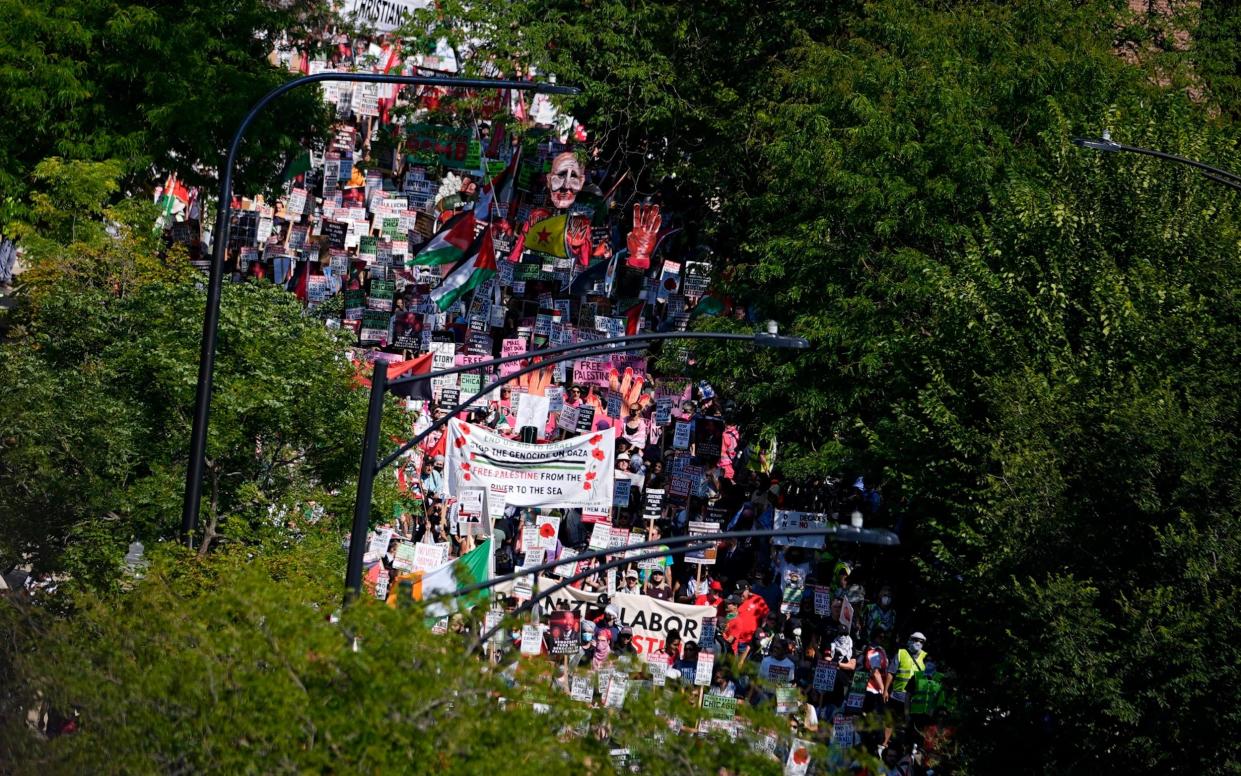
<point x="566" y="179"/>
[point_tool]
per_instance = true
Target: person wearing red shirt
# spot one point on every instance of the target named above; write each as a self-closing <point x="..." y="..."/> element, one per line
<point x="740" y="630"/>
<point x="713" y="597"/>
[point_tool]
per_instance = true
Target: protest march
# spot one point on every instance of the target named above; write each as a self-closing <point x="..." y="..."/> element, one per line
<point x="439" y="238"/>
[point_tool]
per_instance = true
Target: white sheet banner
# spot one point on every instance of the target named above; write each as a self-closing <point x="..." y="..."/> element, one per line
<point x="650" y="618"/>
<point x="577" y="472"/>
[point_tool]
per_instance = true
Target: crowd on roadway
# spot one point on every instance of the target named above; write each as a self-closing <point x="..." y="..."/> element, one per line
<point x="442" y="238"/>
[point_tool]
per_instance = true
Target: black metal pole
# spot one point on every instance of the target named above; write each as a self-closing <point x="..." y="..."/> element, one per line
<point x="1107" y="145"/>
<point x="366" y="481"/>
<point x="211" y="319"/>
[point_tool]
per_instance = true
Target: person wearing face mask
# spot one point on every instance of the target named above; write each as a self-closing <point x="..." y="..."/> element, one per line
<point x="880" y="621"/>
<point x="910" y="661"/>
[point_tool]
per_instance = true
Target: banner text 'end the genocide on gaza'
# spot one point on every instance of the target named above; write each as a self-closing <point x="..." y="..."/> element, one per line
<point x="576" y="472"/>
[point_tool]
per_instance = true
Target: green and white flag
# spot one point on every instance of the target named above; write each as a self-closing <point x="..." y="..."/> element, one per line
<point x="468" y="275"/>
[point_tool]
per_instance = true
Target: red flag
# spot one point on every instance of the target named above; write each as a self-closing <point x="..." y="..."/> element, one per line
<point x="633" y="316"/>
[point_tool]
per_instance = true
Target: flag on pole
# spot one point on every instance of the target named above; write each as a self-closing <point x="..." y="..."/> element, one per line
<point x="633" y="317"/>
<point x="469" y="274"/>
<point x="497" y="191"/>
<point x="473" y="567"/>
<point x="449" y="244"/>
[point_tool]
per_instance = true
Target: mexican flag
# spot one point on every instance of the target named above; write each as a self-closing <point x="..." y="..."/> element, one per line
<point x="472" y="567"/>
<point x="448" y="244"/>
<point x="469" y="274"/>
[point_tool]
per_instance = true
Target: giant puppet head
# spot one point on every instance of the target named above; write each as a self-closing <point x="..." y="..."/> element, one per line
<point x="566" y="179"/>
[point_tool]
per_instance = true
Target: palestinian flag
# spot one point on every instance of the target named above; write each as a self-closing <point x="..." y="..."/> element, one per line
<point x="449" y="244"/>
<point x="498" y="190"/>
<point x="473" y="567"/>
<point x="298" y="165"/>
<point x="469" y="274"/>
<point x="548" y="236"/>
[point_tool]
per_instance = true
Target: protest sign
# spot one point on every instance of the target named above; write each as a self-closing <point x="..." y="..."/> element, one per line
<point x="405" y="557"/>
<point x="842" y="732"/>
<point x="657" y="664"/>
<point x="472" y="512"/>
<point x="650" y="618"/>
<point x="567" y="419"/>
<point x="531" y="640"/>
<point x="601" y="536"/>
<point x="429" y="556"/>
<point x="704" y="669"/>
<point x="565" y="630"/>
<point x="596" y="516"/>
<point x="706" y="641"/>
<point x="708" y="438"/>
<point x="615" y="696"/>
<point x="582" y="690"/>
<point x="798" y="762"/>
<point x="787" y="699"/>
<point x="846" y="614"/>
<point x="576" y="472"/>
<point x="585" y="418"/>
<point x="824" y="676"/>
<point x="379" y="542"/>
<point x="822" y="600"/>
<point x="663" y="411"/>
<point x="620" y="497"/>
<point x="653" y="503"/>
<point x="586" y="372"/>
<point x="707" y="555"/>
<point x="374" y="329"/>
<point x="719" y="706"/>
<point x="680" y="438"/>
<point x="548" y="528"/>
<point x="789" y="519"/>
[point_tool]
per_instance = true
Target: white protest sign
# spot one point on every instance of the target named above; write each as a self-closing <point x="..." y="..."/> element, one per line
<point x="576" y="472"/>
<point x="531" y="640"/>
<point x="533" y="412"/>
<point x="657" y="663"/>
<point x="582" y="689"/>
<point x="789" y="519"/>
<point x="379" y="542"/>
<point x="429" y="556"/>
<point x="798" y="762"/>
<point x="704" y="670"/>
<point x="549" y="529"/>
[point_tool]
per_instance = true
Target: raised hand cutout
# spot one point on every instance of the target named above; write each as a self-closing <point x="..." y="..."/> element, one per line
<point x="641" y="241"/>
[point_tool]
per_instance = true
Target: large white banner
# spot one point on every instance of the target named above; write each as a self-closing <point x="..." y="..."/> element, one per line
<point x="382" y="15"/>
<point x="576" y="472"/>
<point x="650" y="618"/>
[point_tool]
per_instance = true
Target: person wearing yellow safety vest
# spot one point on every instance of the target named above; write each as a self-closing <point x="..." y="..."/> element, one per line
<point x="908" y="662"/>
<point x="926" y="694"/>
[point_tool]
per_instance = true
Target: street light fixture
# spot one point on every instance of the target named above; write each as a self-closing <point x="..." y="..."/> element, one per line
<point x="1107" y="145"/>
<point x="211" y="320"/>
<point x="549" y="357"/>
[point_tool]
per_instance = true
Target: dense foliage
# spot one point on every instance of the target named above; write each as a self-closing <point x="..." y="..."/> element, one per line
<point x="230" y="663"/>
<point x="99" y="371"/>
<point x="1032" y="347"/>
<point x="155" y="86"/>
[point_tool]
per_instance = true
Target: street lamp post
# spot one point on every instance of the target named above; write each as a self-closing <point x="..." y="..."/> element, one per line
<point x="551" y="356"/>
<point x="211" y="320"/>
<point x="1106" y="144"/>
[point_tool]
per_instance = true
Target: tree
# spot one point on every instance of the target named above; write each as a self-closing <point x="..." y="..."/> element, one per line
<point x="100" y="370"/>
<point x="154" y="86"/>
<point x="230" y="663"/>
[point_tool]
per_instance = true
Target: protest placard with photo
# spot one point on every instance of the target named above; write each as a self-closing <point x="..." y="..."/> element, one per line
<point x="565" y="631"/>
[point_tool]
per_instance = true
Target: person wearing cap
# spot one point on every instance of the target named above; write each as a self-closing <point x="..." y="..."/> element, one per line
<point x="433" y="477"/>
<point x="632" y="586"/>
<point x="910" y="661"/>
<point x="712" y="596"/>
<point x="657" y="586"/>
